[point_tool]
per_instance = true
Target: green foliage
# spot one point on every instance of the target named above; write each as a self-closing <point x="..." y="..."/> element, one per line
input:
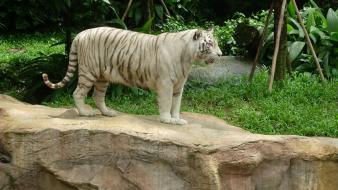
<point x="224" y="33"/>
<point x="323" y="32"/>
<point x="302" y="107"/>
<point x="30" y="15"/>
<point x="16" y="53"/>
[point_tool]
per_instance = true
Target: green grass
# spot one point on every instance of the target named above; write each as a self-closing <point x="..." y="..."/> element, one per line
<point x="18" y="51"/>
<point x="298" y="106"/>
<point x="23" y="47"/>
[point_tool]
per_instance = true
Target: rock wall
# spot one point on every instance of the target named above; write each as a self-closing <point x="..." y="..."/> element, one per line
<point x="44" y="148"/>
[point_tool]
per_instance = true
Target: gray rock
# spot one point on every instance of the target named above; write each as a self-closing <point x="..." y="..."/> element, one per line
<point x="53" y="149"/>
<point x="225" y="68"/>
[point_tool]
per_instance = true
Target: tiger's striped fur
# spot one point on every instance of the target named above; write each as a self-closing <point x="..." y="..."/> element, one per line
<point x="159" y="62"/>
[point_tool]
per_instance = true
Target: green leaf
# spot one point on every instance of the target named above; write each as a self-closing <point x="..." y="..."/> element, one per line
<point x="290" y="28"/>
<point x="314" y="4"/>
<point x="332" y="21"/>
<point x="68" y="3"/>
<point x="334" y="36"/>
<point x="310" y="20"/>
<point x="326" y="64"/>
<point x="119" y="22"/>
<point x="146" y="28"/>
<point x="295" y="50"/>
<point x="106" y="1"/>
<point x="137" y="16"/>
<point x="315" y="30"/>
<point x="300" y="29"/>
<point x="159" y="11"/>
<point x="313" y="38"/>
<point x="291" y="10"/>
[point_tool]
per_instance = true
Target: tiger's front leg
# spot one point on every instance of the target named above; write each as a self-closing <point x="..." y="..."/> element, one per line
<point x="165" y="102"/>
<point x="176" y="106"/>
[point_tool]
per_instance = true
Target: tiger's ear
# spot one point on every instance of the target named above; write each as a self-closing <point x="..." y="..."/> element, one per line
<point x="197" y="34"/>
<point x="211" y="30"/>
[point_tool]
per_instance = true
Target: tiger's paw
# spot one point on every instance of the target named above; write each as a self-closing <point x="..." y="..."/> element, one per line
<point x="87" y="113"/>
<point x="181" y="122"/>
<point x="109" y="113"/>
<point x="174" y="121"/>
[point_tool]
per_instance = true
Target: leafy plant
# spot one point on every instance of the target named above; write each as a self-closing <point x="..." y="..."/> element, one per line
<point x="323" y="32"/>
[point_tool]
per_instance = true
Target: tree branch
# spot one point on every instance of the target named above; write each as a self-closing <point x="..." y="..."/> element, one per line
<point x="165" y="7"/>
<point x="261" y="42"/>
<point x="308" y="41"/>
<point x="277" y="42"/>
<point x="127" y="10"/>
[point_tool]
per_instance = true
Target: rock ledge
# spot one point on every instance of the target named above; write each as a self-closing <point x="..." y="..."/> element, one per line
<point x="47" y="148"/>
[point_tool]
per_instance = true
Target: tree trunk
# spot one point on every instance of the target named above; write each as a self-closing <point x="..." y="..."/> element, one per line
<point x="283" y="51"/>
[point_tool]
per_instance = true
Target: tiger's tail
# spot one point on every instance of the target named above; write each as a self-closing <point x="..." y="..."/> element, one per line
<point x="70" y="71"/>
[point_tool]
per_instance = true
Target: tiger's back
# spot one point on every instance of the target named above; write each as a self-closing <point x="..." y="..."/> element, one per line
<point x="120" y="56"/>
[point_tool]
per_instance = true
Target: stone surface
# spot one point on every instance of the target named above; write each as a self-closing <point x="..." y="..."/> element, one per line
<point x="44" y="148"/>
<point x="224" y="68"/>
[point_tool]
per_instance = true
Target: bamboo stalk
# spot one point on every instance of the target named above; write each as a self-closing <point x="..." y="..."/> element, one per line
<point x="166" y="9"/>
<point x="261" y="42"/>
<point x="277" y="43"/>
<point x="149" y="9"/>
<point x="127" y="9"/>
<point x="308" y="41"/>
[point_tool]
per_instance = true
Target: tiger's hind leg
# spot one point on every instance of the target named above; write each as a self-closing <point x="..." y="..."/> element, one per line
<point x="100" y="88"/>
<point x="79" y="96"/>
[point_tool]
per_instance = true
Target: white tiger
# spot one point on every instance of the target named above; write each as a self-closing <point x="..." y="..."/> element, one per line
<point x="158" y="62"/>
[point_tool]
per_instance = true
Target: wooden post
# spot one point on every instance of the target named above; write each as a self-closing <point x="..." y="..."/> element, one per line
<point x="308" y="41"/>
<point x="261" y="43"/>
<point x="277" y="42"/>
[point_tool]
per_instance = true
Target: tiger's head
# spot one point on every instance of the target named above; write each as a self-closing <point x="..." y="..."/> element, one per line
<point x="208" y="49"/>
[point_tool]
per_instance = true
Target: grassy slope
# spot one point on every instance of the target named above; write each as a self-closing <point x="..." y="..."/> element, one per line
<point x="299" y="106"/>
<point x="19" y="48"/>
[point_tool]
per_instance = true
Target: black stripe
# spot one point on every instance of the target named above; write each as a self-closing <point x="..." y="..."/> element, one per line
<point x="140" y="57"/>
<point x="165" y="36"/>
<point x="86" y="77"/>
<point x="120" y="70"/>
<point x="98" y="52"/>
<point x="107" y="37"/>
<point x="103" y="91"/>
<point x="131" y="41"/>
<point x="156" y="49"/>
<point x="65" y="80"/>
<point x="112" y="41"/>
<point x="175" y="94"/>
<point x="83" y="84"/>
<point x="71" y="69"/>
<point x="130" y="76"/>
<point x="68" y="75"/>
<point x="184" y="35"/>
<point x="116" y="45"/>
